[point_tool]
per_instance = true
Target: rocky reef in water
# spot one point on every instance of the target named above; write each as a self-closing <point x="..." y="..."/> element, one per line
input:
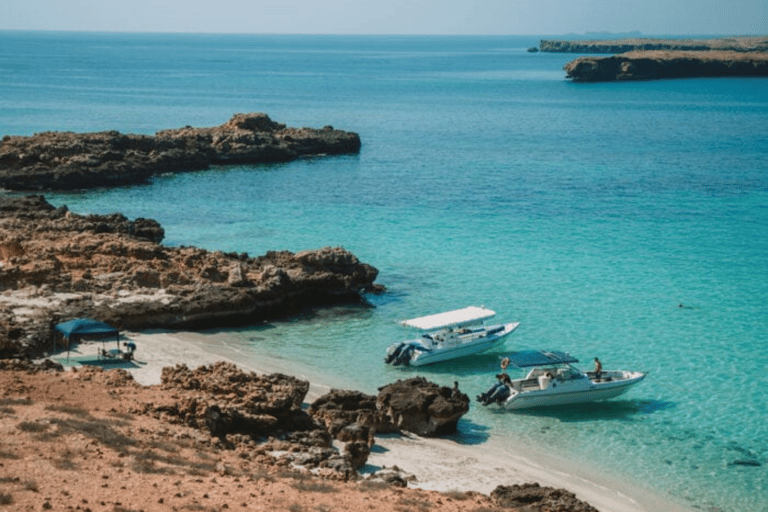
<point x="729" y="44"/>
<point x="56" y="265"/>
<point x="68" y="161"/>
<point x="657" y="64"/>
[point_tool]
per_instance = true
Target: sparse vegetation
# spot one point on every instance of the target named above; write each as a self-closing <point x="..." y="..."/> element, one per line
<point x="313" y="486"/>
<point x="458" y="495"/>
<point x="15" y="401"/>
<point x="33" y="426"/>
<point x="68" y="409"/>
<point x="6" y="499"/>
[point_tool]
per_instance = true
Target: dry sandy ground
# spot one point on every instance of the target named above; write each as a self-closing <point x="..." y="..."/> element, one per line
<point x="77" y="445"/>
<point x="74" y="441"/>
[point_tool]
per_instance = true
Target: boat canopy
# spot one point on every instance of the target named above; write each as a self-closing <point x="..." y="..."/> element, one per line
<point x="456" y="318"/>
<point x="528" y="358"/>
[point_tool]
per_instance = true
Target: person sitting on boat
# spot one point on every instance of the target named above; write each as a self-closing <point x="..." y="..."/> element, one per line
<point x="598" y="369"/>
<point x="498" y="392"/>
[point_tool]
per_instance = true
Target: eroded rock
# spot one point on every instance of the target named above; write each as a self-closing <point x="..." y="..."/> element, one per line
<point x="67" y="160"/>
<point x="422" y="407"/>
<point x="534" y="498"/>
<point x="57" y="265"/>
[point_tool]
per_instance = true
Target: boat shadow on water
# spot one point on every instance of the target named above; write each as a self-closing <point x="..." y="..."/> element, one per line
<point x="618" y="410"/>
<point x="478" y="364"/>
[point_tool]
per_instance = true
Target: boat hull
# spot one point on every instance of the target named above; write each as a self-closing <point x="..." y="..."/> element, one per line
<point x="580" y="392"/>
<point x="423" y="355"/>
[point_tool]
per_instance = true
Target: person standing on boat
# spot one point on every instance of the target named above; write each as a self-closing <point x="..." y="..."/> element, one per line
<point x="598" y="369"/>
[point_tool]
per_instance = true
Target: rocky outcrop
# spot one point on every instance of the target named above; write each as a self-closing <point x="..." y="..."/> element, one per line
<point x="66" y="160"/>
<point x="56" y="265"/>
<point x="649" y="65"/>
<point x="422" y="407"/>
<point x="224" y="400"/>
<point x="731" y="44"/>
<point x="348" y="415"/>
<point x="534" y="498"/>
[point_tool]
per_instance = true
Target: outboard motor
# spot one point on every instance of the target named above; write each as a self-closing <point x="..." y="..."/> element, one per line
<point x="405" y="355"/>
<point x="399" y="354"/>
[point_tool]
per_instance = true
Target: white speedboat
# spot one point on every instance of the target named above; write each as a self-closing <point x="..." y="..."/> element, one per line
<point x="448" y="335"/>
<point x="552" y="380"/>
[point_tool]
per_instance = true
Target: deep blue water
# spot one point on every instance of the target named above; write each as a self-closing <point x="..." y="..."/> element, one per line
<point x="589" y="212"/>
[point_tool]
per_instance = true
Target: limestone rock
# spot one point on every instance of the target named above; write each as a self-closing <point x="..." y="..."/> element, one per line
<point x="66" y="160"/>
<point x="534" y="498"/>
<point x="56" y="265"/>
<point x="649" y="65"/>
<point x="422" y="407"/>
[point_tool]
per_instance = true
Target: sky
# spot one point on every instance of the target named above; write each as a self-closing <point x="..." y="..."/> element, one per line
<point x="437" y="17"/>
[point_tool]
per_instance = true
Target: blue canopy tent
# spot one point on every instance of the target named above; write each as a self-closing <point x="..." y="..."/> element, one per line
<point x="80" y="328"/>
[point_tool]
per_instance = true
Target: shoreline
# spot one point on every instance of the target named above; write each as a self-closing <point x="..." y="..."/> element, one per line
<point x="439" y="464"/>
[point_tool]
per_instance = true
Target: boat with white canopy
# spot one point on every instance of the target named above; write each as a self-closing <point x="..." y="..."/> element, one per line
<point x="553" y="380"/>
<point x="448" y="335"/>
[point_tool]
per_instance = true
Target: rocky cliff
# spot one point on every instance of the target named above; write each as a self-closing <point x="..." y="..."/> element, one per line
<point x="56" y="265"/>
<point x="648" y="65"/>
<point x="66" y="160"/>
<point x="731" y="44"/>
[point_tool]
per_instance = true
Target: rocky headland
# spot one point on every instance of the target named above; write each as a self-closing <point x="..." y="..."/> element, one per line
<point x="726" y="44"/>
<point x="56" y="265"/>
<point x="658" y="64"/>
<point x="649" y="59"/>
<point x="67" y="160"/>
<point x="213" y="439"/>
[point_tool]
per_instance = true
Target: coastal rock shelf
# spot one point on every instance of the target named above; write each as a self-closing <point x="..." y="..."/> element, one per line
<point x="649" y="65"/>
<point x="56" y="265"/>
<point x="731" y="44"/>
<point x="68" y="161"/>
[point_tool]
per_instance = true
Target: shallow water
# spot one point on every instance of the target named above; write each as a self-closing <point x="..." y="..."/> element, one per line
<point x="588" y="212"/>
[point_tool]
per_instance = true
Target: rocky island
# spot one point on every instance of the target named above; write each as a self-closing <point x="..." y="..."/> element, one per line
<point x="648" y="59"/>
<point x="726" y="44"/>
<point x="68" y="161"/>
<point x="657" y="64"/>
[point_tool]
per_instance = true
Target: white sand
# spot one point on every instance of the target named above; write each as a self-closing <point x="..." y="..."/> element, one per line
<point x="437" y="464"/>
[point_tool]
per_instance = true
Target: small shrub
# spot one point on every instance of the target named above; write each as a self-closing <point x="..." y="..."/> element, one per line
<point x="15" y="401"/>
<point x="68" y="409"/>
<point x="458" y="495"/>
<point x="5" y="499"/>
<point x="31" y="426"/>
<point x="313" y="486"/>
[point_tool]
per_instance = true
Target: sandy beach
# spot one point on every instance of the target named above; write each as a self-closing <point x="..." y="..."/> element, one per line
<point x="437" y="464"/>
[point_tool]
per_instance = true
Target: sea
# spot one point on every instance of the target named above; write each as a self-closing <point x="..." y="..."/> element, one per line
<point x="627" y="221"/>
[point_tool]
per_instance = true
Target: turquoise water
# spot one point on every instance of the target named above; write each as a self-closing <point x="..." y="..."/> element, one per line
<point x="588" y="212"/>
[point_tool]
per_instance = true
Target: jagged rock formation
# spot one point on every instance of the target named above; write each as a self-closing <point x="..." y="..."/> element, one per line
<point x="422" y="407"/>
<point x="348" y="415"/>
<point x="534" y="498"/>
<point x="649" y="65"/>
<point x="56" y="265"/>
<point x="66" y="160"/>
<point x="731" y="44"/>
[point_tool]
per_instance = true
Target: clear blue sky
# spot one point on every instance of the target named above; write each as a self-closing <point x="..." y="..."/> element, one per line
<point x="521" y="17"/>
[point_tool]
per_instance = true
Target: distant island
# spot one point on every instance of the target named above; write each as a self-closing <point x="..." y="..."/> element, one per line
<point x="725" y="44"/>
<point x="649" y="59"/>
